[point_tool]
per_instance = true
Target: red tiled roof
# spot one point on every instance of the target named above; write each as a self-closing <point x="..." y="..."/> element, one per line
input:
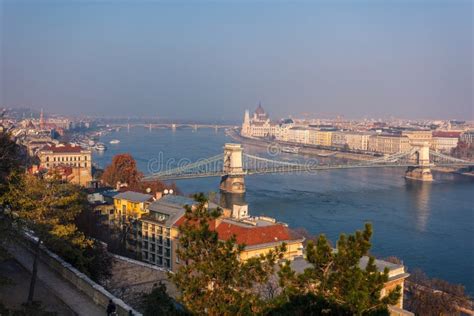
<point x="62" y="149"/>
<point x="248" y="235"/>
<point x="446" y="134"/>
<point x="253" y="235"/>
<point x="182" y="220"/>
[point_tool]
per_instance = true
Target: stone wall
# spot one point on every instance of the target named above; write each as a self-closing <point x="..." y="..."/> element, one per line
<point x="132" y="278"/>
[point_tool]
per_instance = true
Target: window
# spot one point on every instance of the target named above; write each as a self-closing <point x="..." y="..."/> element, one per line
<point x="85" y="165"/>
<point x="167" y="263"/>
<point x="160" y="240"/>
<point x="152" y="248"/>
<point x="160" y="250"/>
<point x="153" y="239"/>
<point x="168" y="242"/>
<point x="167" y="252"/>
<point x="85" y="158"/>
<point x="145" y="244"/>
<point x="47" y="158"/>
<point x="160" y="261"/>
<point x="152" y="257"/>
<point x="145" y="255"/>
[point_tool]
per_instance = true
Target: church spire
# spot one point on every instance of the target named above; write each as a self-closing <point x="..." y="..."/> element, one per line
<point x="41" y="121"/>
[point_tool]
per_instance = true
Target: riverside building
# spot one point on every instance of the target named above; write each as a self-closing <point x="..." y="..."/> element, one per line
<point x="72" y="162"/>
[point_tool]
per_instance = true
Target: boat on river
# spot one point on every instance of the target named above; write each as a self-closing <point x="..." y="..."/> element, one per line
<point x="100" y="147"/>
<point x="290" y="150"/>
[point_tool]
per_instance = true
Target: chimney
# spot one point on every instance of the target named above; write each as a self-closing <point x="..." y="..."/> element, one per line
<point x="158" y="195"/>
<point x="118" y="186"/>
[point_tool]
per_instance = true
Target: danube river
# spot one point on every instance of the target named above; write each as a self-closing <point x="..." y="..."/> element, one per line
<point x="427" y="225"/>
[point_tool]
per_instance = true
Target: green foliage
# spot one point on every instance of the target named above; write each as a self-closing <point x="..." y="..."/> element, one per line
<point x="49" y="207"/>
<point x="308" y="304"/>
<point x="336" y="276"/>
<point x="13" y="157"/>
<point x="158" y="302"/>
<point x="214" y="280"/>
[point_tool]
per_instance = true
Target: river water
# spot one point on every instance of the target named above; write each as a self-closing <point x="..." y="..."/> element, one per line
<point x="427" y="225"/>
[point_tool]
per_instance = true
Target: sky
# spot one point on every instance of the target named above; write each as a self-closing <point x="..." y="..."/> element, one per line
<point x="214" y="59"/>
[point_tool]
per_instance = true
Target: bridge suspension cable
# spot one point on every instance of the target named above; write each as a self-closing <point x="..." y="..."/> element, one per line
<point x="251" y="164"/>
<point x="444" y="157"/>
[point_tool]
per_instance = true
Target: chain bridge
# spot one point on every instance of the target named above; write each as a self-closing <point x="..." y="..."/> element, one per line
<point x="233" y="165"/>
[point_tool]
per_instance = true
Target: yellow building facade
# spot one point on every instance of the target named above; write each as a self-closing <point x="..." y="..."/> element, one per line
<point x="72" y="163"/>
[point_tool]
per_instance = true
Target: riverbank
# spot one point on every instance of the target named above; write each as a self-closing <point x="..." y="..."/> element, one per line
<point x="304" y="150"/>
<point x="453" y="171"/>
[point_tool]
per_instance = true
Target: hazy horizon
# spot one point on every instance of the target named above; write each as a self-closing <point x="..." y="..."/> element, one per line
<point x="212" y="60"/>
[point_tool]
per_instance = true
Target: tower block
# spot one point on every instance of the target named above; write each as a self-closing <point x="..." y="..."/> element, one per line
<point x="233" y="180"/>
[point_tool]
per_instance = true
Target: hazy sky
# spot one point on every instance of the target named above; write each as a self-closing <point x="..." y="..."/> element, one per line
<point x="213" y="59"/>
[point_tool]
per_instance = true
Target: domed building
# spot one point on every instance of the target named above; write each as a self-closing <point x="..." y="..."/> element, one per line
<point x="259" y="125"/>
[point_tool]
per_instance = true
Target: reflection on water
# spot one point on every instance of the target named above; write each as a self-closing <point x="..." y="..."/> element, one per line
<point x="421" y="195"/>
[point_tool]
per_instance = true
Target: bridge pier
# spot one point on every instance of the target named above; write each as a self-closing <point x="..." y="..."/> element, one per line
<point x="421" y="172"/>
<point x="233" y="180"/>
<point x="232" y="184"/>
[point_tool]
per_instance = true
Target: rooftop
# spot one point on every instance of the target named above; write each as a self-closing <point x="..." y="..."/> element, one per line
<point x="395" y="270"/>
<point x="446" y="134"/>
<point x="134" y="196"/>
<point x="171" y="206"/>
<point x="62" y="148"/>
<point x="251" y="235"/>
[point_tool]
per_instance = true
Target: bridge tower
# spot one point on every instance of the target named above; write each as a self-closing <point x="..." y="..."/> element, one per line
<point x="421" y="158"/>
<point x="233" y="179"/>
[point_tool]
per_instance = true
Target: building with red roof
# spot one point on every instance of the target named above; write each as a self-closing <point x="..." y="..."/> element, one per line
<point x="444" y="141"/>
<point x="67" y="158"/>
<point x="260" y="235"/>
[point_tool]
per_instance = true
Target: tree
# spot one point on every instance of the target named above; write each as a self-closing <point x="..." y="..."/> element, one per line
<point x="158" y="302"/>
<point x="434" y="296"/>
<point x="463" y="150"/>
<point x="124" y="170"/>
<point x="213" y="280"/>
<point x="335" y="275"/>
<point x="45" y="206"/>
<point x="48" y="208"/>
<point x="13" y="157"/>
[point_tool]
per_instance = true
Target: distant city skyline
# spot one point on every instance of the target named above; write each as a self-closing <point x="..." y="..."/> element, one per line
<point x="212" y="60"/>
